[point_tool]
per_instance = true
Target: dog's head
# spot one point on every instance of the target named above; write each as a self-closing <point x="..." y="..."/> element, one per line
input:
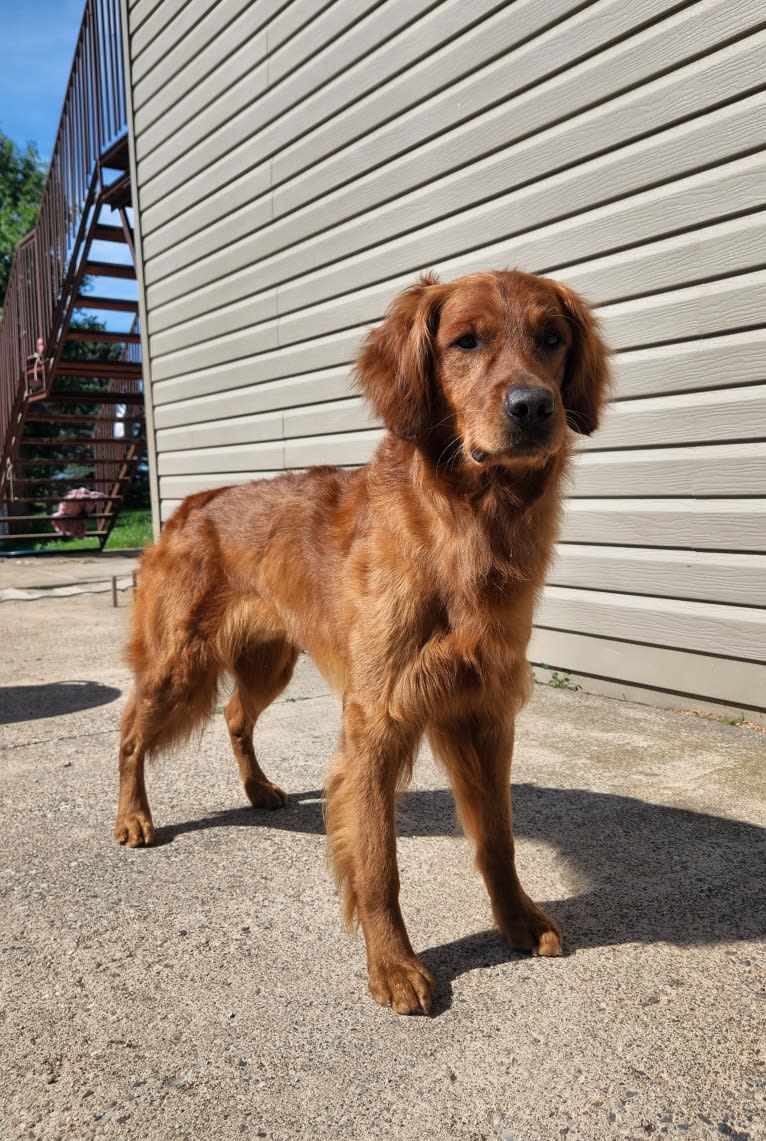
<point x="506" y="363"/>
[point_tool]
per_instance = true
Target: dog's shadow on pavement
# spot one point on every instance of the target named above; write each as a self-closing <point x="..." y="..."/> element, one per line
<point x="653" y="873"/>
<point x="32" y="702"/>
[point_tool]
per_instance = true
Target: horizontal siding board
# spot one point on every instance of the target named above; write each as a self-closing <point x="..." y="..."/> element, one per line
<point x="194" y="65"/>
<point x="712" y="251"/>
<point x="718" y="470"/>
<point x="736" y="186"/>
<point x="160" y="26"/>
<point x="254" y="56"/>
<point x="139" y="11"/>
<point x="712" y="362"/>
<point x="730" y="578"/>
<point x="176" y="488"/>
<point x="688" y="418"/>
<point x="708" y="628"/>
<point x="367" y="78"/>
<point x="326" y="419"/>
<point x="342" y="30"/>
<point x="669" y="154"/>
<point x="165" y="56"/>
<point x="405" y="91"/>
<point x="688" y="524"/>
<point x="506" y="73"/>
<point x="343" y="449"/>
<point x="564" y="144"/>
<point x="676" y="671"/>
<point x="678" y="315"/>
<point x="202" y="81"/>
<point x="318" y="419"/>
<point x="172" y="55"/>
<point x="216" y="461"/>
<point x="233" y="432"/>
<point x="294" y="392"/>
<point x="254" y="339"/>
<point x="215" y="324"/>
<point x="696" y="311"/>
<point x="736" y="245"/>
<point x="680" y="206"/>
<point x="329" y="47"/>
<point x="324" y="353"/>
<point x="350" y="448"/>
<point x="540" y="77"/>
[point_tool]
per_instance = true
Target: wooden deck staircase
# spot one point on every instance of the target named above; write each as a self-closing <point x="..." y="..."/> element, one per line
<point x="71" y="392"/>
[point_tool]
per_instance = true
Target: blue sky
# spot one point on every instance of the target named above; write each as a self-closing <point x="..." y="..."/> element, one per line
<point x="38" y="41"/>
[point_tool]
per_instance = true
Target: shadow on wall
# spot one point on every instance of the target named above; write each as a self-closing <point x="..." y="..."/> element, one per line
<point x="32" y="702"/>
<point x="656" y="874"/>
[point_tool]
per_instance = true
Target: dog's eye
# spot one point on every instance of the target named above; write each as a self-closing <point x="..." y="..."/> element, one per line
<point x="550" y="340"/>
<point x="467" y="341"/>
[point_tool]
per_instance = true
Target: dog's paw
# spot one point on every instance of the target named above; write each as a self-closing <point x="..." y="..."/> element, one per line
<point x="264" y="794"/>
<point x="134" y="830"/>
<point x="406" y="986"/>
<point x="531" y="930"/>
<point x="550" y="944"/>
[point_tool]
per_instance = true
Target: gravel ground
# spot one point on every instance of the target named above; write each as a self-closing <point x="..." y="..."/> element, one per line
<point x="205" y="988"/>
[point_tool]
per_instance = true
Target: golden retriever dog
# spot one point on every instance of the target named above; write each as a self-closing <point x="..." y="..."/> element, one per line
<point x="411" y="582"/>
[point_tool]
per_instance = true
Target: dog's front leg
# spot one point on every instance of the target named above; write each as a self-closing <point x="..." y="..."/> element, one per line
<point x="477" y="750"/>
<point x="361" y="793"/>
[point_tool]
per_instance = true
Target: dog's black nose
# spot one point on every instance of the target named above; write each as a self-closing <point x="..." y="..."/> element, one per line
<point x="529" y="407"/>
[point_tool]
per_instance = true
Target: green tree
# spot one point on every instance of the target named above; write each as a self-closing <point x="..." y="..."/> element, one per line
<point x="22" y="177"/>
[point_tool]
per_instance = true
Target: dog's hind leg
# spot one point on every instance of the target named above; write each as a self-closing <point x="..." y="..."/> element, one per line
<point x="158" y="713"/>
<point x="261" y="675"/>
<point x="134" y="825"/>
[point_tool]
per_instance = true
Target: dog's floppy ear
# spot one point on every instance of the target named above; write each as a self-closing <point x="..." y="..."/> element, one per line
<point x="587" y="383"/>
<point x="395" y="365"/>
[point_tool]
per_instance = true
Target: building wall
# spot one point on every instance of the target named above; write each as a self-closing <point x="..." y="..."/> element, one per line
<point x="297" y="163"/>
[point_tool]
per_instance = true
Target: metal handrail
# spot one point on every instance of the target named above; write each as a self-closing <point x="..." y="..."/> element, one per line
<point x="93" y="120"/>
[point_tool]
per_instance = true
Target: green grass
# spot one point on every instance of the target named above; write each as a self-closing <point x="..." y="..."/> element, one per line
<point x="132" y="530"/>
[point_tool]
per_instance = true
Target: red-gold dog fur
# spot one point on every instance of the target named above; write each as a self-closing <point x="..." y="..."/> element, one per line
<point x="411" y="582"/>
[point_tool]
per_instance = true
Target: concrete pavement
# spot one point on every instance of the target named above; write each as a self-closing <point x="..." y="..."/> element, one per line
<point x="205" y="988"/>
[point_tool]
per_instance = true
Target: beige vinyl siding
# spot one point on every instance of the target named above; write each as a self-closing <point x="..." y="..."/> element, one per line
<point x="297" y="163"/>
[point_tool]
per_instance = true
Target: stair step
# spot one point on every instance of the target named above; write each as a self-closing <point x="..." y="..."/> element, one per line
<point x="69" y="441"/>
<point x="61" y="481"/>
<point x="103" y="233"/>
<point x="63" y="418"/>
<point x="106" y="370"/>
<point x="117" y="157"/>
<point x="89" y="397"/>
<point x="26" y="535"/>
<point x="47" y="518"/>
<point x="87" y="462"/>
<point x="109" y="269"/>
<point x="99" y="337"/>
<point x="21" y="462"/>
<point x="50" y="499"/>
<point x="66" y="441"/>
<point x="117" y="193"/>
<point x="118" y="304"/>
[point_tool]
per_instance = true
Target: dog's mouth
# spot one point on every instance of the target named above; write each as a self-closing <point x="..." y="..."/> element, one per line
<point x="527" y="451"/>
